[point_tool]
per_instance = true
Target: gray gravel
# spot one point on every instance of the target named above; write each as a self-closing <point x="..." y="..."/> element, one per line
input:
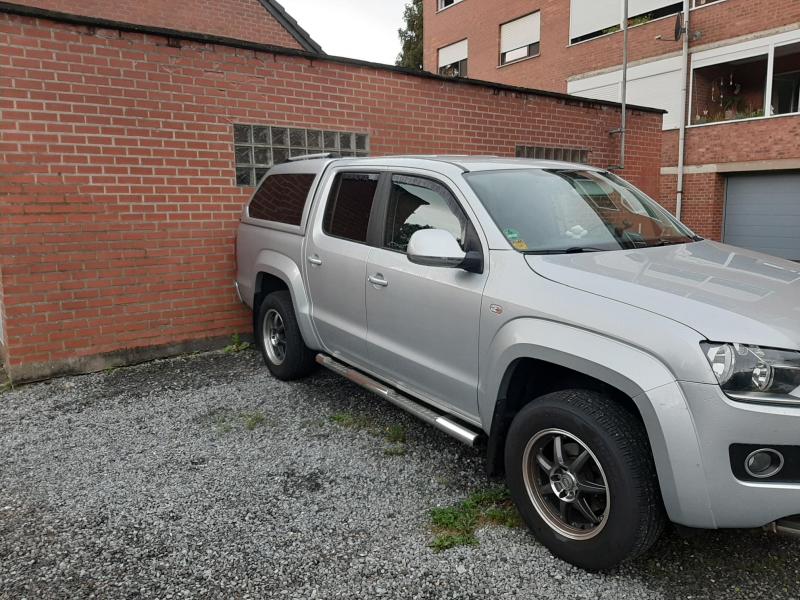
<point x="204" y="476"/>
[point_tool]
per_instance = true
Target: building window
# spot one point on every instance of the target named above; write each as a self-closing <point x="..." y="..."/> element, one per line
<point x="520" y="38"/>
<point x="282" y="198"/>
<point x="697" y="3"/>
<point x="757" y="78"/>
<point x="729" y="91"/>
<point x="593" y="18"/>
<point x="258" y="147"/>
<point x="447" y="3"/>
<point x="575" y="155"/>
<point x="453" y="59"/>
<point x="786" y="80"/>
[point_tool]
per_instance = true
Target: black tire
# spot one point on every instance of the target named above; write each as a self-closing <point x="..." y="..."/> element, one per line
<point x="629" y="514"/>
<point x="298" y="360"/>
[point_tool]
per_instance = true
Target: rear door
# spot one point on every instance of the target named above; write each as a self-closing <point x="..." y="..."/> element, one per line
<point x="422" y="332"/>
<point x="336" y="256"/>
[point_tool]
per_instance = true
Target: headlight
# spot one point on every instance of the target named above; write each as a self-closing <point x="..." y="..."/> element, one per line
<point x="755" y="374"/>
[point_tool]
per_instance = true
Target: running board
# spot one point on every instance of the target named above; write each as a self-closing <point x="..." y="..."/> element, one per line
<point x="788" y="526"/>
<point x="430" y="416"/>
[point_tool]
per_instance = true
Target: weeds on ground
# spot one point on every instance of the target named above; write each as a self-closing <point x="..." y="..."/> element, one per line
<point x="6" y="387"/>
<point x="394" y="434"/>
<point x="253" y="420"/>
<point x="236" y="345"/>
<point x="455" y="525"/>
<point x="224" y="420"/>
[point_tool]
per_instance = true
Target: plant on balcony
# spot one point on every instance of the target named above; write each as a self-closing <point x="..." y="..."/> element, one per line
<point x="726" y="94"/>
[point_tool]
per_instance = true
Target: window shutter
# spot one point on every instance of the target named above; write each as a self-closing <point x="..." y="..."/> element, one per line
<point x="588" y="16"/>
<point x="520" y="33"/>
<point x="453" y="53"/>
<point x="641" y="7"/>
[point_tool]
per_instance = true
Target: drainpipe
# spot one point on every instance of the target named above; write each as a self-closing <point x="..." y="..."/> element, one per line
<point x="684" y="99"/>
<point x="624" y="90"/>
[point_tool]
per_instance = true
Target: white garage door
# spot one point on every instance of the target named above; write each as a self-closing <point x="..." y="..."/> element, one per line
<point x="762" y="212"/>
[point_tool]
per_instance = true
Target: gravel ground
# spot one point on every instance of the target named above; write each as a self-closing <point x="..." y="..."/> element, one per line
<point x="203" y="476"/>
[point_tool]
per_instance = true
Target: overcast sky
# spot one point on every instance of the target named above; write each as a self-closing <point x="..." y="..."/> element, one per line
<point x="365" y="29"/>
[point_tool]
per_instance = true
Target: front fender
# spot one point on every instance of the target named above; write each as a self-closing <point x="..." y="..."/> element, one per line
<point x="633" y="371"/>
<point x="285" y="269"/>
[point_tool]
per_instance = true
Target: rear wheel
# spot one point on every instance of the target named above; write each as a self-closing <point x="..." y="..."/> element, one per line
<point x="580" y="470"/>
<point x="282" y="346"/>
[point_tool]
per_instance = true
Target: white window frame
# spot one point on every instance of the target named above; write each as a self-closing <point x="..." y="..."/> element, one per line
<point x="537" y="40"/>
<point x="440" y="5"/>
<point x="616" y="23"/>
<point x="757" y="47"/>
<point x="440" y="64"/>
<point x="708" y="3"/>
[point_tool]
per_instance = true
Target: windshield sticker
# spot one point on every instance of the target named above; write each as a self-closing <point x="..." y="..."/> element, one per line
<point x="519" y="245"/>
<point x="576" y="232"/>
<point x="511" y="234"/>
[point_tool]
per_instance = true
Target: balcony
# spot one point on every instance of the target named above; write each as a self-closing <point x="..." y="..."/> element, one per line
<point x="762" y="85"/>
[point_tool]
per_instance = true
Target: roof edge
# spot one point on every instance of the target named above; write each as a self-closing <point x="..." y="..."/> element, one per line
<point x="41" y="13"/>
<point x="292" y="26"/>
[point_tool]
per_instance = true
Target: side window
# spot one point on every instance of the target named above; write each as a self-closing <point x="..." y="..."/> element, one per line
<point x="282" y="198"/>
<point x="349" y="206"/>
<point x="417" y="203"/>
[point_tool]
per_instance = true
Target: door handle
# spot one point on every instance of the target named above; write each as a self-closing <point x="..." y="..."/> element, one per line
<point x="315" y="260"/>
<point x="378" y="280"/>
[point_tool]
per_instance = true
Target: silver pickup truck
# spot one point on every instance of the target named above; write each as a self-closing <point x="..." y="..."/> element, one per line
<point x="620" y="371"/>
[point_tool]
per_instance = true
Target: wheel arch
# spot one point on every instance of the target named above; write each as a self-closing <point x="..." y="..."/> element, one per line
<point x="274" y="272"/>
<point x="527" y="378"/>
<point x="518" y="371"/>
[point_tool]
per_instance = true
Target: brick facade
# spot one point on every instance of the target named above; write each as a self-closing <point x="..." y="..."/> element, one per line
<point x="719" y="23"/>
<point x="117" y="188"/>
<point x="558" y="60"/>
<point x="237" y="19"/>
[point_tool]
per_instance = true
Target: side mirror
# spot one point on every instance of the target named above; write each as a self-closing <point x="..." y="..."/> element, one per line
<point x="438" y="248"/>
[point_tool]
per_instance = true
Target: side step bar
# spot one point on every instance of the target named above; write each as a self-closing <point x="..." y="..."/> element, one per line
<point x="788" y="526"/>
<point x="422" y="412"/>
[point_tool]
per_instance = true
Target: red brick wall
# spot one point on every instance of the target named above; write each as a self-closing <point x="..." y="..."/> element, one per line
<point x="736" y="141"/>
<point x="239" y="19"/>
<point x="703" y="201"/>
<point x="117" y="189"/>
<point x="480" y="22"/>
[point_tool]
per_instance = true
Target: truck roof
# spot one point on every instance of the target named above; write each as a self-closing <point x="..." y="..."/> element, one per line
<point x="316" y="163"/>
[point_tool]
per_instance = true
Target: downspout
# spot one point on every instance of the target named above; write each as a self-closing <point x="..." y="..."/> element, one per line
<point x="684" y="101"/>
<point x="624" y="88"/>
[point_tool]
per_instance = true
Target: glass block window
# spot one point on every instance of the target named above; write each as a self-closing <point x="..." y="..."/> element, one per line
<point x="576" y="155"/>
<point x="258" y="147"/>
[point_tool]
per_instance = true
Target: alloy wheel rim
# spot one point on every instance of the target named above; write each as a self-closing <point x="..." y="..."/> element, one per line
<point x="274" y="336"/>
<point x="566" y="484"/>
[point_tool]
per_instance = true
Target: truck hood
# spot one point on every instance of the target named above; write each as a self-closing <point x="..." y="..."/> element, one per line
<point x="727" y="294"/>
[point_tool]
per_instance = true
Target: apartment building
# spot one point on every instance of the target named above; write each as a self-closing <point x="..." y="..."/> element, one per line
<point x="741" y="180"/>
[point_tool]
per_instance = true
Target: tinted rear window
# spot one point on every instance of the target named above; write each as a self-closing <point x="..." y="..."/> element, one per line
<point x="349" y="206"/>
<point x="282" y="198"/>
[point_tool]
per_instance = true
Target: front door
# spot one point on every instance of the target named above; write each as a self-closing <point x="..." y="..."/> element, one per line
<point x="336" y="263"/>
<point x="422" y="322"/>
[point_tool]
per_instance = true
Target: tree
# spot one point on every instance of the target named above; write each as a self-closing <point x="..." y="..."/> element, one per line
<point x="411" y="37"/>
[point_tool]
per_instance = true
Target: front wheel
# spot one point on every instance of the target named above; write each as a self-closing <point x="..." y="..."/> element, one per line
<point x="279" y="338"/>
<point x="580" y="471"/>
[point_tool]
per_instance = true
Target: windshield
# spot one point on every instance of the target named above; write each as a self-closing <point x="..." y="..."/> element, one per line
<point x="567" y="210"/>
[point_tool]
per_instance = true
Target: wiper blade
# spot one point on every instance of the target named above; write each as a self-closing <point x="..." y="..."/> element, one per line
<point x="570" y="250"/>
<point x="667" y="242"/>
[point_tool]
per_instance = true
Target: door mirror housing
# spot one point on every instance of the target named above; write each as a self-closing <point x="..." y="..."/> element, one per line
<point x="438" y="248"/>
